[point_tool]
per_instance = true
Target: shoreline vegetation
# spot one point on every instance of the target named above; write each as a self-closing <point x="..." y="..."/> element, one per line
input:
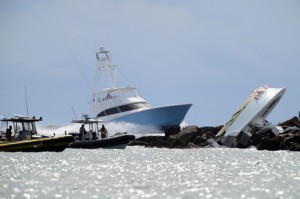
<point x="200" y="137"/>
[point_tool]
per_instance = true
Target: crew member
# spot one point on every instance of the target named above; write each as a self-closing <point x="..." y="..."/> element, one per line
<point x="82" y="132"/>
<point x="8" y="134"/>
<point x="103" y="131"/>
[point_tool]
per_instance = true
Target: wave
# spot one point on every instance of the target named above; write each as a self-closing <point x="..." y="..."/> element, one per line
<point x="112" y="127"/>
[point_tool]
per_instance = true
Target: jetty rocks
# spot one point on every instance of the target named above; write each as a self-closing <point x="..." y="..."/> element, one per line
<point x="289" y="139"/>
<point x="199" y="137"/>
<point x="188" y="137"/>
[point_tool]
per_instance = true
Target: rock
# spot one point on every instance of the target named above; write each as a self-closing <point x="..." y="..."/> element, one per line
<point x="199" y="140"/>
<point x="188" y="137"/>
<point x="151" y="141"/>
<point x="195" y="137"/>
<point x="285" y="141"/>
<point x="290" y="122"/>
<point x="291" y="141"/>
<point x="172" y="131"/>
<point x="182" y="139"/>
<point x="192" y="145"/>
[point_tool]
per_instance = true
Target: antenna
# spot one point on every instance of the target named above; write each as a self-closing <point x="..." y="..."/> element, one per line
<point x="26" y="101"/>
<point x="78" y="66"/>
<point x="74" y="112"/>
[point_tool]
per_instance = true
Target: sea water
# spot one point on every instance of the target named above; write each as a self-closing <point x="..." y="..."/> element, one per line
<point x="138" y="172"/>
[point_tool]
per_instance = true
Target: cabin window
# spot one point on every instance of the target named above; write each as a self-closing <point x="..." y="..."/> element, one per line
<point x="101" y="114"/>
<point x="126" y="108"/>
<point x="112" y="111"/>
<point x="123" y="108"/>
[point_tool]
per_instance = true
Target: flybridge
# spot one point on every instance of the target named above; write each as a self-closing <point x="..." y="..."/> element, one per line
<point x="116" y="90"/>
<point x="106" y="94"/>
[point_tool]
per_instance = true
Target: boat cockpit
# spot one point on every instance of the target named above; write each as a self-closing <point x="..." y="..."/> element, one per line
<point x="22" y="128"/>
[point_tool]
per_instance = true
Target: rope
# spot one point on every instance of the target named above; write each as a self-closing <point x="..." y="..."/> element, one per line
<point x="254" y="94"/>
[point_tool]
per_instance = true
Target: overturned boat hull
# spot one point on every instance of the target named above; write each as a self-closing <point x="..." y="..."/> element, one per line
<point x="250" y="117"/>
<point x="118" y="142"/>
<point x="55" y="144"/>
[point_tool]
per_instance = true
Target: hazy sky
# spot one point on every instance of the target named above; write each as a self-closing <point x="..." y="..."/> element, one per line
<point x="208" y="53"/>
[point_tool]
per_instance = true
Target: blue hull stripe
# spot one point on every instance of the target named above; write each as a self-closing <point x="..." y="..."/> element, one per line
<point x="166" y="116"/>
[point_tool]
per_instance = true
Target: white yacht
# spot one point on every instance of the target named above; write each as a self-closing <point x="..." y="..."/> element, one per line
<point x="123" y="104"/>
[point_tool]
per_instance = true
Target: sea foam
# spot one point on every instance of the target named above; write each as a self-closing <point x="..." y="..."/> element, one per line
<point x="112" y="127"/>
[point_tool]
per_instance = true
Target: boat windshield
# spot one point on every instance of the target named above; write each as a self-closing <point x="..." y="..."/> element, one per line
<point x="93" y="127"/>
<point x="25" y="126"/>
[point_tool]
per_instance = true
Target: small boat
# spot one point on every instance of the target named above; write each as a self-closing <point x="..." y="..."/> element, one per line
<point x="95" y="138"/>
<point x="124" y="104"/>
<point x="26" y="139"/>
<point x="250" y="118"/>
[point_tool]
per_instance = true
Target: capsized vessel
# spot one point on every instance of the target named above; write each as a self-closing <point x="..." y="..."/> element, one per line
<point x="250" y="118"/>
<point x="124" y="104"/>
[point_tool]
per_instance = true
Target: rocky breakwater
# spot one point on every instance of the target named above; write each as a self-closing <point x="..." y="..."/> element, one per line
<point x="198" y="137"/>
<point x="188" y="137"/>
<point x="289" y="139"/>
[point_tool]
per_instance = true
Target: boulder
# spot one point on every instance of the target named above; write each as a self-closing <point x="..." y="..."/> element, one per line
<point x="151" y="141"/>
<point x="188" y="137"/>
<point x="291" y="141"/>
<point x="195" y="137"/>
<point x="294" y="121"/>
<point x="172" y="131"/>
<point x="285" y="141"/>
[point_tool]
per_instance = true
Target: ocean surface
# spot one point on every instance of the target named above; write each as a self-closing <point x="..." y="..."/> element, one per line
<point x="139" y="172"/>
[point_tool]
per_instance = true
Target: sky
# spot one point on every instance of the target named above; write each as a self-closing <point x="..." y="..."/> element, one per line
<point x="208" y="53"/>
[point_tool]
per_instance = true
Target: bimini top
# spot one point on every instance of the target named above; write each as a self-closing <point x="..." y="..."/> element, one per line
<point x="22" y="119"/>
<point x="86" y="120"/>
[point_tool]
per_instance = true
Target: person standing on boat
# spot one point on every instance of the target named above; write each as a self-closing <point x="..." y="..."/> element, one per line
<point x="8" y="134"/>
<point x="103" y="131"/>
<point x="82" y="132"/>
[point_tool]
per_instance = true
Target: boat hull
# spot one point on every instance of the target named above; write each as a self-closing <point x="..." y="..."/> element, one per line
<point x="118" y="142"/>
<point x="239" y="129"/>
<point x="56" y="144"/>
<point x="164" y="117"/>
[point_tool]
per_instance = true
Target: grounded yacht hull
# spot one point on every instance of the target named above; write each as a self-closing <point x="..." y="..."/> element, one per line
<point x="164" y="117"/>
<point x="118" y="142"/>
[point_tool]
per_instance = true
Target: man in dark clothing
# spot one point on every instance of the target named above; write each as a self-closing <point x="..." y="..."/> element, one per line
<point x="82" y="132"/>
<point x="8" y="134"/>
<point x="103" y="131"/>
